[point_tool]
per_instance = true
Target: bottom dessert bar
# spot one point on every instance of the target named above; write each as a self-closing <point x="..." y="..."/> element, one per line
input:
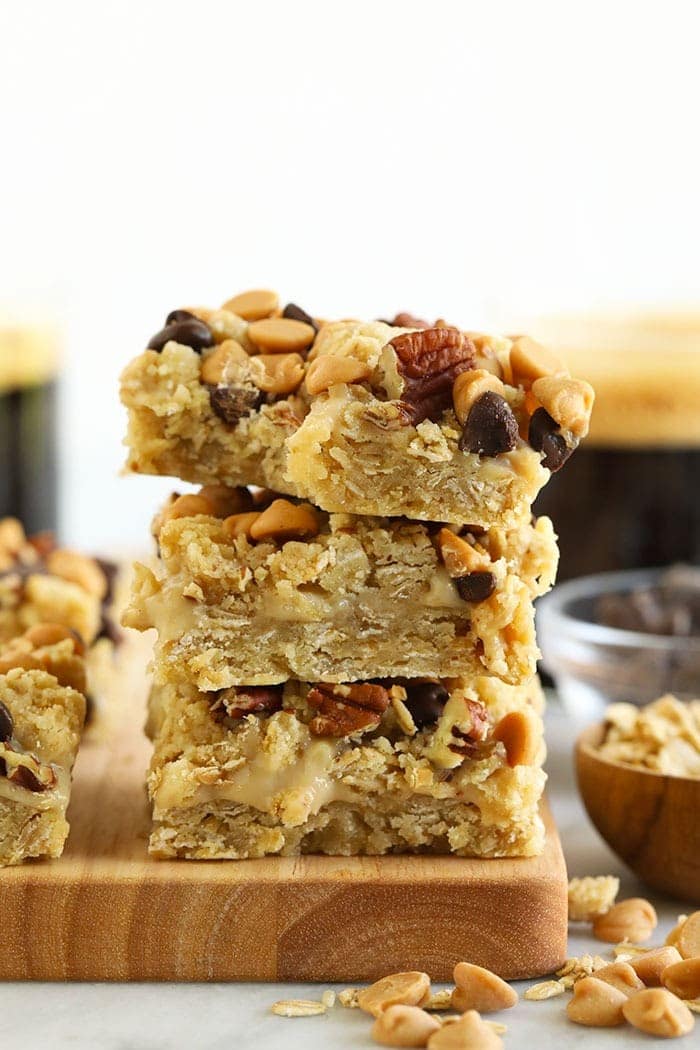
<point x="42" y="710"/>
<point x="397" y="766"/>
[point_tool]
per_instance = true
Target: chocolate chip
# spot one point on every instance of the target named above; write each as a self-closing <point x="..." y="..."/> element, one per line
<point x="544" y="436"/>
<point x="425" y="701"/>
<point x="232" y="403"/>
<point x="180" y="315"/>
<point x="295" y="313"/>
<point x="188" y="330"/>
<point x="476" y="586"/>
<point x="6" y="723"/>
<point x="490" y="427"/>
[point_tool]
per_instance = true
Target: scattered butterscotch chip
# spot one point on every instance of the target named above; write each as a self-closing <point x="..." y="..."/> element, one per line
<point x="188" y="506"/>
<point x="530" y="360"/>
<point x="596" y="1003"/>
<point x="402" y="1025"/>
<point x="479" y="989"/>
<point x="634" y="918"/>
<point x="518" y="732"/>
<point x="657" y="1012"/>
<point x="621" y="976"/>
<point x="240" y="524"/>
<point x="225" y="501"/>
<point x="591" y="896"/>
<point x="328" y="370"/>
<point x="410" y="989"/>
<point x="280" y="335"/>
<point x="625" y="950"/>
<point x="688" y="942"/>
<point x="544" y="990"/>
<point x="650" y="965"/>
<point x="682" y="977"/>
<point x="298" y="1008"/>
<point x="470" y="1032"/>
<point x="283" y="521"/>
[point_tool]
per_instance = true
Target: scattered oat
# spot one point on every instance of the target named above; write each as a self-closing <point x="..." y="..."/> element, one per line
<point x="575" y="968"/>
<point x="544" y="990"/>
<point x="497" y="1027"/>
<point x="298" y="1008"/>
<point x="591" y="896"/>
<point x="328" y="998"/>
<point x="441" y="1000"/>
<point x="625" y="950"/>
<point x="349" y="998"/>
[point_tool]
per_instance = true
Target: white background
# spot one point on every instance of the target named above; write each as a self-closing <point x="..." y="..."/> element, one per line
<point x="466" y="159"/>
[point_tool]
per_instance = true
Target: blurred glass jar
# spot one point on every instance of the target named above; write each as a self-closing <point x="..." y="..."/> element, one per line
<point x="630" y="496"/>
<point x="28" y="466"/>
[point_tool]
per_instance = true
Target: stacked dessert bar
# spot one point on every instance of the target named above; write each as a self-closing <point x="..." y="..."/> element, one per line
<point x="345" y="655"/>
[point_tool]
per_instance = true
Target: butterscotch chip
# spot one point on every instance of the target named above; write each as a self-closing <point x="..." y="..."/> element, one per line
<point x="591" y="896"/>
<point x="596" y="1003"/>
<point x="657" y="1012"/>
<point x="404" y="1026"/>
<point x="683" y="978"/>
<point x="634" y="919"/>
<point x="479" y="989"/>
<point x="688" y="942"/>
<point x="281" y="335"/>
<point x="283" y="521"/>
<point x="223" y="363"/>
<point x="518" y="731"/>
<point x="469" y="387"/>
<point x="621" y="976"/>
<point x="253" y="305"/>
<point x="469" y="1032"/>
<point x="458" y="555"/>
<point x="277" y="373"/>
<point x="410" y="989"/>
<point x="328" y="370"/>
<point x="240" y="524"/>
<point x="650" y="966"/>
<point x="12" y="536"/>
<point x="188" y="506"/>
<point x="568" y="401"/>
<point x="530" y="360"/>
<point x="225" y="501"/>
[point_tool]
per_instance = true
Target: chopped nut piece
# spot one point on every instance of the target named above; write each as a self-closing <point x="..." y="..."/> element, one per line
<point x="347" y="709"/>
<point x="328" y="998"/>
<point x="253" y="305"/>
<point x="232" y="403"/>
<point x="298" y="1008"/>
<point x="459" y="556"/>
<point x="411" y="989"/>
<point x="591" y="896"/>
<point x="596" y="1003"/>
<point x="327" y="370"/>
<point x="544" y="990"/>
<point x="657" y="1012"/>
<point x="479" y="989"/>
<point x="402" y="1025"/>
<point x="429" y="361"/>
<point x="634" y="919"/>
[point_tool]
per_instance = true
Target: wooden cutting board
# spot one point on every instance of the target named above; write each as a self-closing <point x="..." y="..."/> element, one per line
<point x="106" y="911"/>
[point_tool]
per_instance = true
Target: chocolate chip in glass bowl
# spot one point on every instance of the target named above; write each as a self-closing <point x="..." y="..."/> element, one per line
<point x="425" y="701"/>
<point x="232" y="403"/>
<point x="544" y="436"/>
<point x="6" y="724"/>
<point x="183" y="327"/>
<point x="476" y="586"/>
<point x="490" y="428"/>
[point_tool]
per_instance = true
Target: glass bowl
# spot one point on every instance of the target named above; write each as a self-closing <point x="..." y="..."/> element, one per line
<point x="593" y="664"/>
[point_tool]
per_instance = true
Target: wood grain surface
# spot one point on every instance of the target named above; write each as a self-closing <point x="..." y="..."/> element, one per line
<point x="106" y="911"/>
<point x="650" y="820"/>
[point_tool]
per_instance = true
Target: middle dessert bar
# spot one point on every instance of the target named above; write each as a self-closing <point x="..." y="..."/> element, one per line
<point x="254" y="590"/>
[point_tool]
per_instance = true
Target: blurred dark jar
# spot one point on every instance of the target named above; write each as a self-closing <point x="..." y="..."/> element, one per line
<point x="28" y="467"/>
<point x="630" y="496"/>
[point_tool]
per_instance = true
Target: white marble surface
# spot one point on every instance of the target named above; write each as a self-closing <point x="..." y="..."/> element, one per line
<point x="217" y="1017"/>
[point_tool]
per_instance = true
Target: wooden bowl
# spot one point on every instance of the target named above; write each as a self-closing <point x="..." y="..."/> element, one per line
<point x="651" y="821"/>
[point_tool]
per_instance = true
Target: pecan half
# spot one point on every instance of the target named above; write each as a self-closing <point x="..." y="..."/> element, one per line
<point x="346" y="709"/>
<point x="467" y="741"/>
<point x="232" y="704"/>
<point x="429" y="361"/>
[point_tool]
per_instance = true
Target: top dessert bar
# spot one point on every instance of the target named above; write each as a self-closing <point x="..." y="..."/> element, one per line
<point x="371" y="418"/>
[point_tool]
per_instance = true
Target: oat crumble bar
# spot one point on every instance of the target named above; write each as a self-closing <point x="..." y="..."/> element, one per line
<point x="42" y="711"/>
<point x="352" y="598"/>
<point x="364" y="768"/>
<point x="374" y="418"/>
